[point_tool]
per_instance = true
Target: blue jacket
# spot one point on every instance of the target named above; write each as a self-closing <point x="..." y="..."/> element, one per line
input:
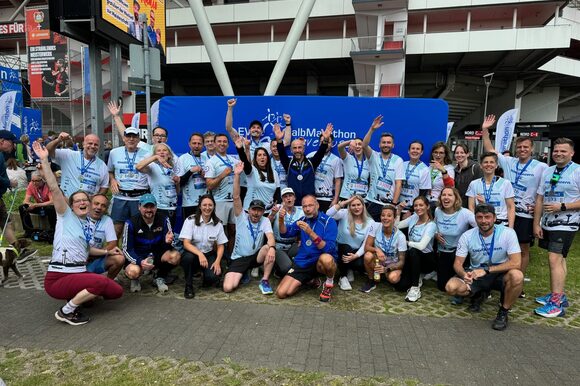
<point x="139" y="239"/>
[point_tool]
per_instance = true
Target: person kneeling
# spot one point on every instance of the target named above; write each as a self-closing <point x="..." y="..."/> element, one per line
<point x="317" y="252"/>
<point x="147" y="244"/>
<point x="249" y="249"/>
<point x="495" y="260"/>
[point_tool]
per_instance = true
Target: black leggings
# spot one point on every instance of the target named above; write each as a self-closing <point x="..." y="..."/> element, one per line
<point x="445" y="270"/>
<point x="355" y="265"/>
<point x="27" y="221"/>
<point x="416" y="263"/>
<point x="190" y="265"/>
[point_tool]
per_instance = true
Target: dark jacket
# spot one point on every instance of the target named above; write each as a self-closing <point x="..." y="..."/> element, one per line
<point x="463" y="178"/>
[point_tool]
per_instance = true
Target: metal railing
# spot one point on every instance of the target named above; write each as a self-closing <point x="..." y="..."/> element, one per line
<point x="368" y="90"/>
<point x="378" y="43"/>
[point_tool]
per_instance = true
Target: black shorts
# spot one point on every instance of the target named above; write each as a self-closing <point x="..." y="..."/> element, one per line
<point x="557" y="241"/>
<point x="242" y="264"/>
<point x="524" y="228"/>
<point x="303" y="275"/>
<point x="491" y="281"/>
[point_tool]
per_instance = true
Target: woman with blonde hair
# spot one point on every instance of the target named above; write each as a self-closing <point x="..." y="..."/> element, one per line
<point x="353" y="224"/>
<point x="163" y="179"/>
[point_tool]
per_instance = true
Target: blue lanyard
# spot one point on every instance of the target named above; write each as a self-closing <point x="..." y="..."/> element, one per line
<point x="487" y="192"/>
<point x="86" y="226"/>
<point x="226" y="161"/>
<point x="130" y="162"/>
<point x="83" y="167"/>
<point x="165" y="171"/>
<point x="385" y="168"/>
<point x="491" y="245"/>
<point x="360" y="166"/>
<point x="560" y="174"/>
<point x="409" y="173"/>
<point x="386" y="245"/>
<point x="518" y="173"/>
<point x="254" y="232"/>
<point x="197" y="161"/>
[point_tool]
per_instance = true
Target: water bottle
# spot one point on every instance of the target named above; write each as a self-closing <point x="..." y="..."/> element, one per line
<point x="150" y="258"/>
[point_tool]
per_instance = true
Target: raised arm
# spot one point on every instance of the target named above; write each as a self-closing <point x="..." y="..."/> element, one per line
<point x="52" y="145"/>
<point x="230" y="119"/>
<point x="238" y="207"/>
<point x="60" y="204"/>
<point x="342" y="149"/>
<point x="240" y="148"/>
<point x="319" y="155"/>
<point x="488" y="122"/>
<point x="287" y="129"/>
<point x="143" y="165"/>
<point x="377" y="122"/>
<point x="115" y="111"/>
<point x="279" y="136"/>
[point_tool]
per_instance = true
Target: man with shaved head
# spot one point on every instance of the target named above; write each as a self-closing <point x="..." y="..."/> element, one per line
<point x="82" y="169"/>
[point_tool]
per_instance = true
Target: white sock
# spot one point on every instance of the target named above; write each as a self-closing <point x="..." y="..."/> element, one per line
<point x="69" y="307"/>
<point x="329" y="281"/>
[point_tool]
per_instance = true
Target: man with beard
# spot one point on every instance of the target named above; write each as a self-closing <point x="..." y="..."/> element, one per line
<point x="192" y="179"/>
<point x="386" y="170"/>
<point x="103" y="237"/>
<point x="81" y="169"/>
<point x="328" y="178"/>
<point x="494" y="263"/>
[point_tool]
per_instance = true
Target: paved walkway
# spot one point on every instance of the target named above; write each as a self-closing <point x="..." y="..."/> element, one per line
<point x="433" y="350"/>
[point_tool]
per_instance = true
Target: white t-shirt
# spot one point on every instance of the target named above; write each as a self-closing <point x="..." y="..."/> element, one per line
<point x="124" y="163"/>
<point x="329" y="169"/>
<point x="525" y="179"/>
<point x="565" y="191"/>
<point x="204" y="235"/>
<point x="452" y="226"/>
<point x="392" y="245"/>
<point x="478" y="247"/>
<point x="416" y="232"/>
<point x="196" y="186"/>
<point x="71" y="243"/>
<point x="249" y="236"/>
<point x="343" y="235"/>
<point x="355" y="182"/>
<point x="416" y="178"/>
<point x="281" y="172"/>
<point x="500" y="190"/>
<point x="78" y="173"/>
<point x="103" y="231"/>
<point x="162" y="186"/>
<point x="284" y="243"/>
<point x="263" y="142"/>
<point x="213" y="168"/>
<point x="384" y="173"/>
<point x="437" y="184"/>
<point x="260" y="190"/>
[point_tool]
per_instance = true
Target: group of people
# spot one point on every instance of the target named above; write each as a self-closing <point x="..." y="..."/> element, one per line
<point x="266" y="211"/>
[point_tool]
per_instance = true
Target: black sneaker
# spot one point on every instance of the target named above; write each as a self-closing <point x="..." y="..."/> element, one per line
<point x="75" y="318"/>
<point x="501" y="320"/>
<point x="477" y="301"/>
<point x="189" y="293"/>
<point x="25" y="254"/>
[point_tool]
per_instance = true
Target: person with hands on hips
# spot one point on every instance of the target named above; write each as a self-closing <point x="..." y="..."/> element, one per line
<point x="204" y="242"/>
<point x="252" y="229"/>
<point x="494" y="263"/>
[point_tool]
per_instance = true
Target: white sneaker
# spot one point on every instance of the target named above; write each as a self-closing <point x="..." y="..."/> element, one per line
<point x="161" y="286"/>
<point x="431" y="276"/>
<point x="413" y="294"/>
<point x="255" y="272"/>
<point x="135" y="285"/>
<point x="350" y="275"/>
<point x="344" y="284"/>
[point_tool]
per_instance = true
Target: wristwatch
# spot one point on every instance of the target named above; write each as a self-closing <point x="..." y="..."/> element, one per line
<point x="563" y="207"/>
<point x="486" y="269"/>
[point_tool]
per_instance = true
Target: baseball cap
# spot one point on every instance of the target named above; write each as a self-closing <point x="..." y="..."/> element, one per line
<point x="131" y="130"/>
<point x="286" y="191"/>
<point x="7" y="135"/>
<point x="257" y="204"/>
<point x="147" y="198"/>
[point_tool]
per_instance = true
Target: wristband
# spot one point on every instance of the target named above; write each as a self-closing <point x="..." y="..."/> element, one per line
<point x="444" y="172"/>
<point x="317" y="240"/>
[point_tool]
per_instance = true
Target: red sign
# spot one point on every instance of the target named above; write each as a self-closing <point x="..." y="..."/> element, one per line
<point x="11" y="29"/>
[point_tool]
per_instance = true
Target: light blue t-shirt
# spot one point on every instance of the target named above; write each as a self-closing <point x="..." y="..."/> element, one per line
<point x="281" y="172"/>
<point x="162" y="186"/>
<point x="416" y="179"/>
<point x="71" y="243"/>
<point x="196" y="186"/>
<point x="327" y="172"/>
<point x="263" y="142"/>
<point x="417" y="231"/>
<point x="500" y="190"/>
<point x="78" y="173"/>
<point x="124" y="163"/>
<point x="355" y="182"/>
<point x="384" y="173"/>
<point x="249" y="236"/>
<point x="567" y="190"/>
<point x="260" y="190"/>
<point x="284" y="243"/>
<point x="213" y="168"/>
<point x="452" y="226"/>
<point x="344" y="235"/>
<point x="505" y="242"/>
<point x="392" y="245"/>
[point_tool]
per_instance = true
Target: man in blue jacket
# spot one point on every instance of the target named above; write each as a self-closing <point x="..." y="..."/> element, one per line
<point x="317" y="253"/>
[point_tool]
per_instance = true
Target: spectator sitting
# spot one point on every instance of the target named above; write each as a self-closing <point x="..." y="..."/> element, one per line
<point x="38" y="191"/>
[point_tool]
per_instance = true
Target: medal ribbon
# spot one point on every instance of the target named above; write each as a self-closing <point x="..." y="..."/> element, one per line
<point x="487" y="192"/>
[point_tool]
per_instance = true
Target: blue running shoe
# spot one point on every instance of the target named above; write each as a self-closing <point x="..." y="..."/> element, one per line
<point x="550" y="310"/>
<point x="546" y="299"/>
<point x="265" y="287"/>
<point x="246" y="278"/>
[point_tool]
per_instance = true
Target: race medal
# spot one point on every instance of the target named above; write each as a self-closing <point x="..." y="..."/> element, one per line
<point x="82" y="179"/>
<point x="308" y="243"/>
<point x="300" y="177"/>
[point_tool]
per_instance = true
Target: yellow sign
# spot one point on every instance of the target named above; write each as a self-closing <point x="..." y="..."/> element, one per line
<point x="124" y="14"/>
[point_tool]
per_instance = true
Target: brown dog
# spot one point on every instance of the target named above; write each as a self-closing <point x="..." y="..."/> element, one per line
<point x="8" y="257"/>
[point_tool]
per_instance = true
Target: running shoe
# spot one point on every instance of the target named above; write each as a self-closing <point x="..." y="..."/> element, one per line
<point x="246" y="278"/>
<point x="456" y="300"/>
<point x="161" y="286"/>
<point x="350" y="275"/>
<point x="501" y="320"/>
<point x="344" y="284"/>
<point x="546" y="299"/>
<point x="189" y="293"/>
<point x="550" y="310"/>
<point x="413" y="294"/>
<point x="326" y="293"/>
<point x="25" y="254"/>
<point x="135" y="285"/>
<point x="431" y="276"/>
<point x="75" y="318"/>
<point x="265" y="287"/>
<point x="368" y="286"/>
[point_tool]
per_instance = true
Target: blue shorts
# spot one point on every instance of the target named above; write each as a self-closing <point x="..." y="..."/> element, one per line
<point x="97" y="265"/>
<point x="123" y="210"/>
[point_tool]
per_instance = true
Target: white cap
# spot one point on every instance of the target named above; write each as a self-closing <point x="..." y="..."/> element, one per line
<point x="286" y="191"/>
<point x="131" y="130"/>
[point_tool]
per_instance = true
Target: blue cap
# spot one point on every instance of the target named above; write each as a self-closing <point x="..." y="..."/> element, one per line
<point x="7" y="135"/>
<point x="147" y="198"/>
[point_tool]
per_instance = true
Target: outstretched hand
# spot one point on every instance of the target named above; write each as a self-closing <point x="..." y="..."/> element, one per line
<point x="377" y="122"/>
<point x="488" y="122"/>
<point x="114" y="108"/>
<point x="278" y="133"/>
<point x="40" y="150"/>
<point x="327" y="132"/>
<point x="232" y="102"/>
<point x="239" y="168"/>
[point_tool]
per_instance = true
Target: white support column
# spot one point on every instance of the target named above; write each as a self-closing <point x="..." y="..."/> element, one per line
<point x="307" y="31"/>
<point x="344" y="29"/>
<point x="272" y="33"/>
<point x="424" y="23"/>
<point x="380" y="31"/>
<point x="378" y="78"/>
<point x="515" y="19"/>
<point x="239" y="35"/>
<point x="468" y="26"/>
<point x="556" y="15"/>
<point x="289" y="46"/>
<point x="211" y="46"/>
<point x="175" y="38"/>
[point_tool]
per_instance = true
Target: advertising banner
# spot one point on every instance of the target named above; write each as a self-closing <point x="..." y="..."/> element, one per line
<point x="48" y="64"/>
<point x="11" y="30"/>
<point x="124" y="14"/>
<point x="406" y="119"/>
<point x="505" y="130"/>
<point x="10" y="100"/>
<point x="32" y="123"/>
